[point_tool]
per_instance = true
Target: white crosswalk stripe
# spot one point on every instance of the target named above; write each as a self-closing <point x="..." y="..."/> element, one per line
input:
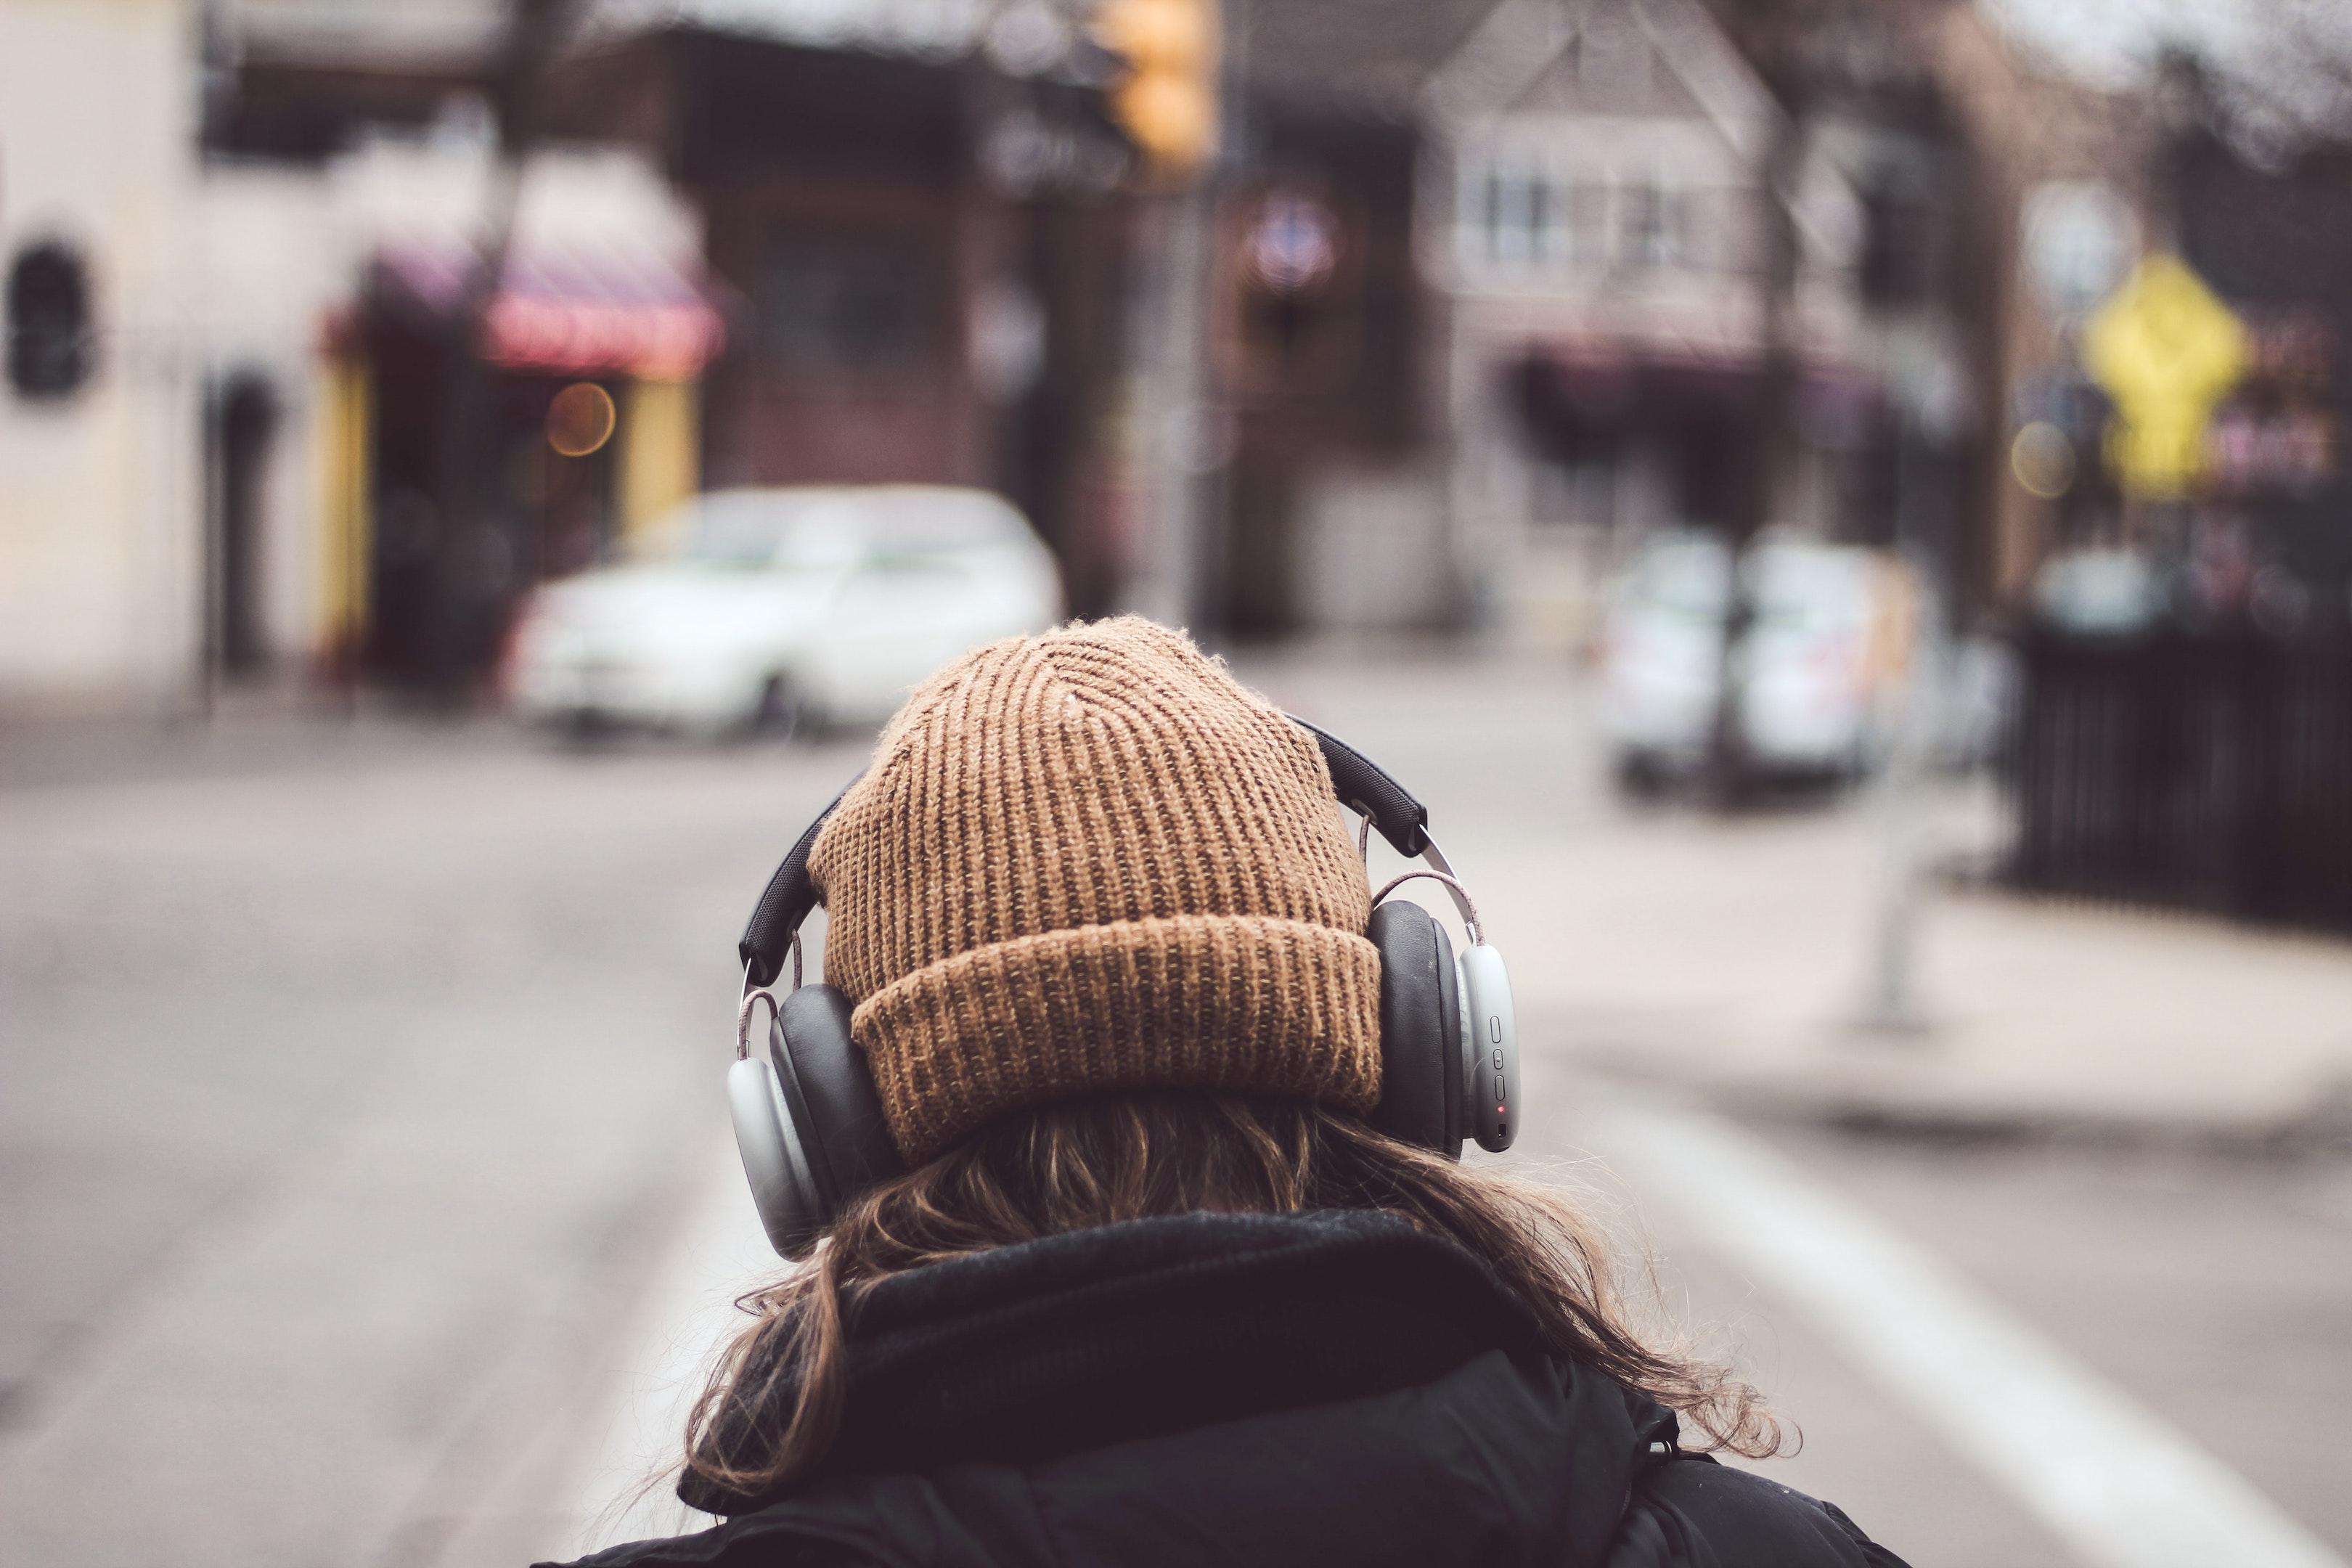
<point x="2118" y="1484"/>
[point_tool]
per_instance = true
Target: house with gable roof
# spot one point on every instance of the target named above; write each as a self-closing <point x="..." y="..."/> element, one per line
<point x="1586" y="306"/>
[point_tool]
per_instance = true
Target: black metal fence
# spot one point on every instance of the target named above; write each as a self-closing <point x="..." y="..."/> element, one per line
<point x="2206" y="771"/>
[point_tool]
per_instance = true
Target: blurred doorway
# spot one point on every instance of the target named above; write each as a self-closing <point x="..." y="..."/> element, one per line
<point x="518" y="437"/>
<point x="245" y="431"/>
<point x="1629" y="444"/>
<point x="470" y="519"/>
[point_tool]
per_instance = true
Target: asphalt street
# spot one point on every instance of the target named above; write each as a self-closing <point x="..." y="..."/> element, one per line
<point x="364" y="1189"/>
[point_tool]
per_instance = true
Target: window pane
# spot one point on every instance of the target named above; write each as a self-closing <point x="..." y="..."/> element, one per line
<point x="849" y="308"/>
<point x="1497" y="217"/>
<point x="1590" y="225"/>
<point x="1644" y="225"/>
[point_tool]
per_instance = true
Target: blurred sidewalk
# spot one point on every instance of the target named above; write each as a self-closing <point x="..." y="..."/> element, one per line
<point x="1731" y="955"/>
<point x="2036" y="1016"/>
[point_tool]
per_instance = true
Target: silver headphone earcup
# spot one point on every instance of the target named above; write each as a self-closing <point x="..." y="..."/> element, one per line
<point x="773" y="1161"/>
<point x="1490" y="1050"/>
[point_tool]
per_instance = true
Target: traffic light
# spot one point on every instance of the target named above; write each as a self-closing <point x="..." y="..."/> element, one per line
<point x="1167" y="101"/>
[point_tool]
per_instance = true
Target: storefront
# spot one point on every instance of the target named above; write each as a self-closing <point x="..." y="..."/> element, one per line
<point x="510" y="437"/>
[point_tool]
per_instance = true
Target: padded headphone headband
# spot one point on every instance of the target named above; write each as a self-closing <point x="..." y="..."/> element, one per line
<point x="1360" y="783"/>
<point x="1363" y="784"/>
<point x="785" y="902"/>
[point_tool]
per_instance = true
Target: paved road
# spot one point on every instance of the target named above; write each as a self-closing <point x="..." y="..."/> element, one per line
<point x="361" y="1150"/>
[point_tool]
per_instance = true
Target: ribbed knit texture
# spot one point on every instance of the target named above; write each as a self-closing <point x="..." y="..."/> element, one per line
<point x="1091" y="860"/>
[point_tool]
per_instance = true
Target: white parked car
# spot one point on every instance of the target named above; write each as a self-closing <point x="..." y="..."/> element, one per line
<point x="2101" y="592"/>
<point x="1819" y="670"/>
<point x="1662" y="651"/>
<point x="765" y="607"/>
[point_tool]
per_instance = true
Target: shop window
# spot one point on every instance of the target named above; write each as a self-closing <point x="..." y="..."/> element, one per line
<point x="1568" y="231"/>
<point x="1512" y="218"/>
<point x="48" y="319"/>
<point x="1654" y="220"/>
<point x="1587" y="222"/>
<point x="1898" y="249"/>
<point x="849" y="309"/>
<point x="1299" y="320"/>
<point x="1520" y="216"/>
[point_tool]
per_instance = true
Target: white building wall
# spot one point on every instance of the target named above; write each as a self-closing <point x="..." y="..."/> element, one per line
<point x="101" y="540"/>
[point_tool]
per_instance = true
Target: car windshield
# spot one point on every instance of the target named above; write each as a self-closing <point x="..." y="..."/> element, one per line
<point x="1808" y="588"/>
<point x="747" y="529"/>
<point x="798" y="531"/>
<point x="1681" y="578"/>
<point x="1796" y="586"/>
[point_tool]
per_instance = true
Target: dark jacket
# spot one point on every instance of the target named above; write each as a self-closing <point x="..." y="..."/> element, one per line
<point x="1208" y="1389"/>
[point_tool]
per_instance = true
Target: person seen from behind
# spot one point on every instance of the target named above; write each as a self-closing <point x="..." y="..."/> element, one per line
<point x="1151" y="1284"/>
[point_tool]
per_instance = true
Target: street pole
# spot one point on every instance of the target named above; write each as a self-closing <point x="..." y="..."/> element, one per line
<point x="1179" y="427"/>
<point x="211" y="532"/>
<point x="536" y="30"/>
<point x="1891" y="1007"/>
<point x="1771" y="422"/>
<point x="1170" y="411"/>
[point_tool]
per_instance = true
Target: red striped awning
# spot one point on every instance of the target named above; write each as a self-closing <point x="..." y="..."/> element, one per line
<point x="575" y="308"/>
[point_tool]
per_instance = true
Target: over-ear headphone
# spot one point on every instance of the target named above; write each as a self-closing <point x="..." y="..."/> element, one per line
<point x="809" y="1121"/>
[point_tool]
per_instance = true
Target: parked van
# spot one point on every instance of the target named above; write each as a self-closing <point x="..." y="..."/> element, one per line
<point x="1819" y="670"/>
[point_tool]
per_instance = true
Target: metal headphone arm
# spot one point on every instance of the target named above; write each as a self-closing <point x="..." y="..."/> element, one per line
<point x="752" y="996"/>
<point x="1437" y="868"/>
<point x="753" y="989"/>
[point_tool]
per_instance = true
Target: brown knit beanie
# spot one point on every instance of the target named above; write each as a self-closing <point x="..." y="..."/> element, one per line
<point x="1091" y="860"/>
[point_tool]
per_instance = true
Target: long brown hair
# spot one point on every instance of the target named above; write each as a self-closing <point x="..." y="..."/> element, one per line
<point x="777" y="1391"/>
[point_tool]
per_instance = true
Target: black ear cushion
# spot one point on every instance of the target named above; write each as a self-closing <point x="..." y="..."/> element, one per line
<point x="829" y="1091"/>
<point x="1420" y="1030"/>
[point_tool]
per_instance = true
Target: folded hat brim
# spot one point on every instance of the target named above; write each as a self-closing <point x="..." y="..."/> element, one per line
<point x="1245" y="1003"/>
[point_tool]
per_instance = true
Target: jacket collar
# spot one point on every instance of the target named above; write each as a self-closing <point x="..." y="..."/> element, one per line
<point x="1076" y="1342"/>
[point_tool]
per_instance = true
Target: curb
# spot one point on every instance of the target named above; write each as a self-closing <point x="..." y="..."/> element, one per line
<point x="1928" y="1103"/>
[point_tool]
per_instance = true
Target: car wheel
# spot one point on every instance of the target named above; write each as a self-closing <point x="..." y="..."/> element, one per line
<point x="575" y="729"/>
<point x="780" y="714"/>
<point x="1641" y="777"/>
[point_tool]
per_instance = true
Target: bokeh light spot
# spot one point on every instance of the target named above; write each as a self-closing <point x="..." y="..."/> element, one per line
<point x="2043" y="459"/>
<point x="580" y="420"/>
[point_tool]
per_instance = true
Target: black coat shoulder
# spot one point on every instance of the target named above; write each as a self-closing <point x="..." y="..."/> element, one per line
<point x="1257" y="1392"/>
<point x="1692" y="1512"/>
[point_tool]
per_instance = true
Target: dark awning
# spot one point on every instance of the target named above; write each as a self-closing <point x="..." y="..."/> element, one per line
<point x="572" y="308"/>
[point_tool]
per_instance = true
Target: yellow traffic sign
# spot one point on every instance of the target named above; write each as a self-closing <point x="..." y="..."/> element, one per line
<point x="2167" y="349"/>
